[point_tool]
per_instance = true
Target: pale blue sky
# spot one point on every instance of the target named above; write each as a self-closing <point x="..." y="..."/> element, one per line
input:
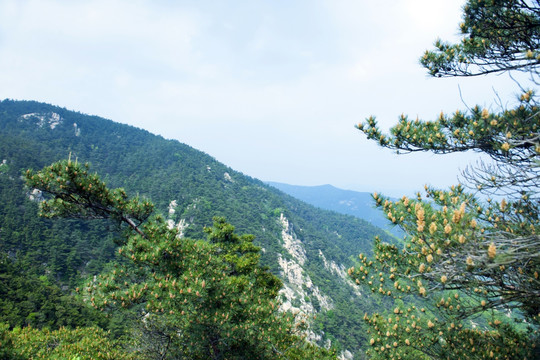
<point x="271" y="88"/>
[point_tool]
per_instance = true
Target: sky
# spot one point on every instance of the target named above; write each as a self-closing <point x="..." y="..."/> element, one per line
<point x="271" y="88"/>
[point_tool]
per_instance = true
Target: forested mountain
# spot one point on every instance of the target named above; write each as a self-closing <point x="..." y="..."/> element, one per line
<point x="43" y="261"/>
<point x="355" y="203"/>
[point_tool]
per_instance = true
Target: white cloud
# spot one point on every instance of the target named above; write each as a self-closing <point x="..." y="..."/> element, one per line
<point x="271" y="88"/>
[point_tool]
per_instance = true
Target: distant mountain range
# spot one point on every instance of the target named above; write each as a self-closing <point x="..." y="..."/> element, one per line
<point x="358" y="204"/>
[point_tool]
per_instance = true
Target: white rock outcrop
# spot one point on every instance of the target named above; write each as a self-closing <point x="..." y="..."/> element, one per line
<point x="291" y="243"/>
<point x="182" y="225"/>
<point x="227" y="177"/>
<point x="51" y="119"/>
<point x="346" y="355"/>
<point x="298" y="288"/>
<point x="36" y="195"/>
<point x="340" y="271"/>
<point x="172" y="207"/>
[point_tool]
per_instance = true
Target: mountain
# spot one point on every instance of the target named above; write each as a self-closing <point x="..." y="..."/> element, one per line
<point x="309" y="248"/>
<point x="358" y="204"/>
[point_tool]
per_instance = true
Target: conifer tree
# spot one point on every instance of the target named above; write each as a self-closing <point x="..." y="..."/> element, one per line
<point x="88" y="343"/>
<point x="472" y="253"/>
<point x="198" y="299"/>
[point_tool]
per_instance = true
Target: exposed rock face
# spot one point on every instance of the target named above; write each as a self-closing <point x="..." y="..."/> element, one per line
<point x="299" y="293"/>
<point x="298" y="290"/>
<point x="182" y="224"/>
<point x="36" y="195"/>
<point x="346" y="355"/>
<point x="171" y="210"/>
<point x="51" y="119"/>
<point x="227" y="177"/>
<point x="172" y="207"/>
<point x="340" y="271"/>
<point x="291" y="242"/>
<point x="298" y="287"/>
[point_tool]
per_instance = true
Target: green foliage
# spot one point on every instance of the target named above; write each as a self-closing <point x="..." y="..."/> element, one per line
<point x="415" y="333"/>
<point x="451" y="263"/>
<point x="28" y="300"/>
<point x="498" y="35"/>
<point x="468" y="258"/>
<point x="508" y="135"/>
<point x="76" y="193"/>
<point x="68" y="251"/>
<point x="80" y="343"/>
<point x="6" y="343"/>
<point x="208" y="299"/>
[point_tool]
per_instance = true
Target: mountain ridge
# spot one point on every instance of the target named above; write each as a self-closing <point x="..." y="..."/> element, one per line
<point x="309" y="248"/>
<point x="349" y="202"/>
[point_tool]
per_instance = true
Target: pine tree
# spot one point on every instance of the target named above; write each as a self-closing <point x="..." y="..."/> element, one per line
<point x="498" y="36"/>
<point x="198" y="299"/>
<point x="88" y="343"/>
<point x="472" y="253"/>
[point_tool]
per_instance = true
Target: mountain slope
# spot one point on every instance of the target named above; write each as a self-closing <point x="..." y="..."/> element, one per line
<point x="308" y="247"/>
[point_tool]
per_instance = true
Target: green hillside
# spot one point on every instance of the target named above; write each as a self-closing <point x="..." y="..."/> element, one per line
<point x="189" y="188"/>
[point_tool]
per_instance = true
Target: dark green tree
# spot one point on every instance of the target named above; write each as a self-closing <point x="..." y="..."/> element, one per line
<point x="88" y="343"/>
<point x="198" y="299"/>
<point x="498" y="36"/>
<point x="470" y="259"/>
